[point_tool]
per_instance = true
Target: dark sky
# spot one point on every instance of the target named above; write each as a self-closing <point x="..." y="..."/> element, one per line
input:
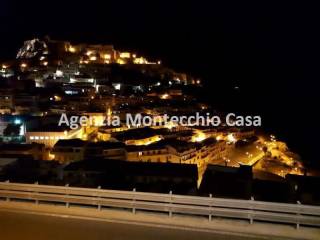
<point x="195" y="35"/>
<point x="270" y="49"/>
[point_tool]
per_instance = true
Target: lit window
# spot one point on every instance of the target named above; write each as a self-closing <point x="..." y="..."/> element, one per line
<point x="57" y="138"/>
<point x="31" y="138"/>
<point x="36" y="137"/>
<point x="51" y="138"/>
<point x="107" y="56"/>
<point x="125" y="55"/>
<point x="46" y="138"/>
<point x="41" y="137"/>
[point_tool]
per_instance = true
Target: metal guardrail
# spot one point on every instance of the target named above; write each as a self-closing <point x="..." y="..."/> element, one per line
<point x="251" y="210"/>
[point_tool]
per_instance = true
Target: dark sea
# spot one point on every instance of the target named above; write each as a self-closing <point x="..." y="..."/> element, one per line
<point x="290" y="113"/>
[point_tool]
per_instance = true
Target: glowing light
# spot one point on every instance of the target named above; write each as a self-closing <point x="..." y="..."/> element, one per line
<point x="109" y="112"/>
<point x="59" y="73"/>
<point x="57" y="98"/>
<point x="51" y="156"/>
<point x="171" y="125"/>
<point x="72" y="49"/>
<point x="17" y="121"/>
<point x="45" y="63"/>
<point x="159" y="62"/>
<point x="117" y="86"/>
<point x="231" y="138"/>
<point x="199" y="137"/>
<point x="164" y="96"/>
<point x="93" y="58"/>
<point x="4" y="66"/>
<point x="88" y="53"/>
<point x="107" y="56"/>
<point x="125" y="55"/>
<point x="23" y="65"/>
<point x="121" y="61"/>
<point x="218" y="138"/>
<point x="140" y="60"/>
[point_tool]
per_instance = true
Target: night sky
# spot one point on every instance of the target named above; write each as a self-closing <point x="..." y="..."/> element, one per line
<point x="270" y="50"/>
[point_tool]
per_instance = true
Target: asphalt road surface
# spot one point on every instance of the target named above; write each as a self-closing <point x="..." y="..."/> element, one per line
<point x="22" y="226"/>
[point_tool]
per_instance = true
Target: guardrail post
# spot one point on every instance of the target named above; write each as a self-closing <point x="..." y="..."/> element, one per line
<point x="170" y="207"/>
<point x="251" y="215"/>
<point x="67" y="203"/>
<point x="133" y="201"/>
<point x="99" y="205"/>
<point x="210" y="216"/>
<point x="8" y="199"/>
<point x="37" y="201"/>
<point x="298" y="215"/>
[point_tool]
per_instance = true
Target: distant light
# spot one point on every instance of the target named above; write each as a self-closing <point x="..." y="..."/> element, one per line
<point x="107" y="56"/>
<point x="21" y="131"/>
<point x="72" y="49"/>
<point x="159" y="62"/>
<point x="57" y="98"/>
<point x="121" y="61"/>
<point x="70" y="92"/>
<point x="17" y="121"/>
<point x="93" y="58"/>
<point x="199" y="137"/>
<point x="88" y="53"/>
<point x="231" y="138"/>
<point x="140" y="60"/>
<point x="45" y="63"/>
<point x="59" y="73"/>
<point x="4" y="66"/>
<point x="125" y="55"/>
<point x="23" y="65"/>
<point x="117" y="86"/>
<point x="164" y="96"/>
<point x="219" y="137"/>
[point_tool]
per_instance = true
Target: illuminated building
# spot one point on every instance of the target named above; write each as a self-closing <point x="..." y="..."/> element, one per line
<point x="49" y="136"/>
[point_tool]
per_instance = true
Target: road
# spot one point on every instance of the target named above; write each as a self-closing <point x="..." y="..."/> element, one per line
<point x="41" y="227"/>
